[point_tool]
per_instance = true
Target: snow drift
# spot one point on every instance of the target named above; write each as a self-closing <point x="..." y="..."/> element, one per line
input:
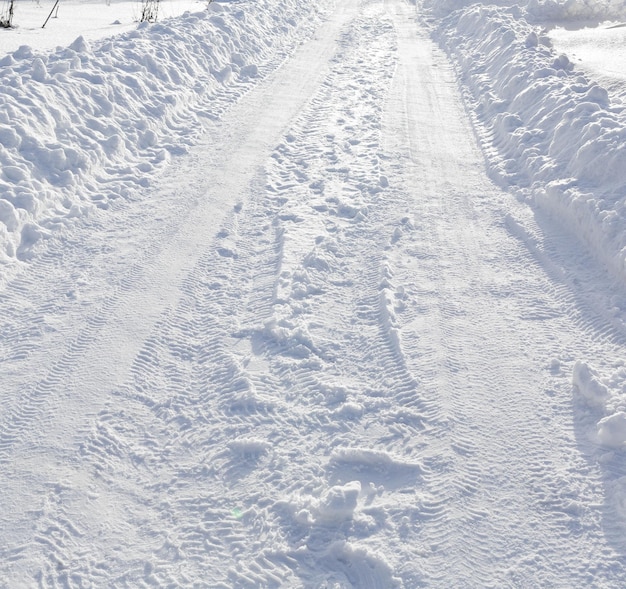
<point x="81" y="126"/>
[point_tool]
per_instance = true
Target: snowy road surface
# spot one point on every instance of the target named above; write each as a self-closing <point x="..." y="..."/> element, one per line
<point x="323" y="349"/>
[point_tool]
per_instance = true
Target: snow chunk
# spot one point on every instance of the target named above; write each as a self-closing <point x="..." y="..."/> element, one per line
<point x="8" y="215"/>
<point x="532" y="40"/>
<point x="376" y="459"/>
<point x="31" y="235"/>
<point x="612" y="430"/>
<point x="249" y="447"/>
<point x="349" y="411"/>
<point x="80" y="45"/>
<point x="9" y="137"/>
<point x="249" y="71"/>
<point x="339" y="503"/>
<point x="23" y="52"/>
<point x="39" y="72"/>
<point x="586" y="380"/>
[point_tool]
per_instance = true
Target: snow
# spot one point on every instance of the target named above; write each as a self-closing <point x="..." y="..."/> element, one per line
<point x="82" y="125"/>
<point x="552" y="125"/>
<point x="575" y="10"/>
<point x="586" y="380"/>
<point x="612" y="430"/>
<point x="598" y="51"/>
<point x="93" y="20"/>
<point x="313" y="294"/>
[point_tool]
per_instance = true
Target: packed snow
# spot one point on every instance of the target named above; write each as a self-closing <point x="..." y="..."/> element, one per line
<point x="321" y="294"/>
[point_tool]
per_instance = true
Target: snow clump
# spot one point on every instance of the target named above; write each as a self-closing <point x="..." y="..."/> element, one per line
<point x="587" y="381"/>
<point x="612" y="430"/>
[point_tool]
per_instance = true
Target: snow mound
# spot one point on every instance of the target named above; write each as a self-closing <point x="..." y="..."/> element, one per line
<point x="82" y="126"/>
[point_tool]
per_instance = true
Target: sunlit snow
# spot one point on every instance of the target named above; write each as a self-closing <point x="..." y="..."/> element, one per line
<point x="321" y="295"/>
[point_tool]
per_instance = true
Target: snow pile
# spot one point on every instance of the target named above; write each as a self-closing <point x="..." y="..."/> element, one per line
<point x="81" y="126"/>
<point x="545" y="128"/>
<point x="337" y="562"/>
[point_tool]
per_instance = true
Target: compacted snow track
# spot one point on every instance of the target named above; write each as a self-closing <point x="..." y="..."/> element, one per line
<point x="330" y="353"/>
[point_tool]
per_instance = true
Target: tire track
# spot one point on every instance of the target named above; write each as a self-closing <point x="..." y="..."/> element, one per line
<point x="29" y="403"/>
<point x="492" y="336"/>
<point x="342" y="392"/>
<point x="38" y="340"/>
<point x="164" y="412"/>
<point x="271" y="311"/>
<point x="332" y="256"/>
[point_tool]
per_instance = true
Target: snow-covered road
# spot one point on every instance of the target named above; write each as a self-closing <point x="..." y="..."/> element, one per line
<point x="322" y="349"/>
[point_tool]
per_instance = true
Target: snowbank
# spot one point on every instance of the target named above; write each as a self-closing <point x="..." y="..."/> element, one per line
<point x="547" y="130"/>
<point x="83" y="125"/>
